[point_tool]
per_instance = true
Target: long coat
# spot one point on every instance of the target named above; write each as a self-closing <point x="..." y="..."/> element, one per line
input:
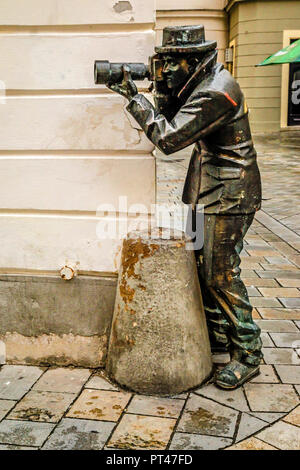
<point x="223" y="174"/>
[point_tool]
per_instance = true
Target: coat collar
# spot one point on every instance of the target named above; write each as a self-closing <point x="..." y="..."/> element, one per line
<point x="203" y="68"/>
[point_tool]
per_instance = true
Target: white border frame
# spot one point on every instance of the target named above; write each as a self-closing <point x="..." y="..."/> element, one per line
<point x="285" y="76"/>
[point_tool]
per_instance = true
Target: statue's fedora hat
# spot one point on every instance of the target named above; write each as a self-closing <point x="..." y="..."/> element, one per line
<point x="185" y="39"/>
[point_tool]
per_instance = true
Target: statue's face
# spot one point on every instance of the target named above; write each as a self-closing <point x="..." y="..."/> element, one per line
<point x="176" y="71"/>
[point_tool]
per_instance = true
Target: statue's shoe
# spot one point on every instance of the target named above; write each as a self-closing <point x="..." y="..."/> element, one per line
<point x="235" y="374"/>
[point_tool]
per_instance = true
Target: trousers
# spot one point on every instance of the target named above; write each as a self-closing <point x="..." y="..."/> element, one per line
<point x="226" y="302"/>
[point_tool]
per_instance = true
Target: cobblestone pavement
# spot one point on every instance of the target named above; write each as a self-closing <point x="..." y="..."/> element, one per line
<point x="65" y="408"/>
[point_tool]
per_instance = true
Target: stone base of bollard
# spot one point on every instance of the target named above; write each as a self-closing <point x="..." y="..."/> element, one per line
<point x="159" y="341"/>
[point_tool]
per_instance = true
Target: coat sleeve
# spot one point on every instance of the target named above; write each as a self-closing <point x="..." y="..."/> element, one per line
<point x="199" y="116"/>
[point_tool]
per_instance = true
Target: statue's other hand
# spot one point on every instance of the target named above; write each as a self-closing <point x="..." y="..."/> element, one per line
<point x="128" y="84"/>
<point x="116" y="87"/>
<point x="127" y="87"/>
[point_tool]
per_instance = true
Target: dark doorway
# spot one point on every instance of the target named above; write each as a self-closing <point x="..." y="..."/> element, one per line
<point x="294" y="94"/>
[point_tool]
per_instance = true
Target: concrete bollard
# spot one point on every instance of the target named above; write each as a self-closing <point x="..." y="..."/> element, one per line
<point x="159" y="341"/>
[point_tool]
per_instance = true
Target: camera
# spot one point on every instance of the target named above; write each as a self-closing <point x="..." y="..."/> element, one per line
<point x="106" y="73"/>
<point x="109" y="73"/>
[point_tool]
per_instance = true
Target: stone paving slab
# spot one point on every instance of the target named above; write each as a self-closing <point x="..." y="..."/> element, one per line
<point x="292" y="221"/>
<point x="245" y="264"/>
<point x="181" y="396"/>
<point x="280" y="267"/>
<point x="289" y="282"/>
<point x="24" y="433"/>
<point x="279" y="274"/>
<point x="249" y="274"/>
<point x="102" y="405"/>
<point x="286" y="340"/>
<point x="42" y="406"/>
<point x="251" y="259"/>
<point x="262" y="251"/>
<point x="279" y="313"/>
<point x="248" y="426"/>
<point x="266" y="340"/>
<point x="203" y="416"/>
<point x="5" y="407"/>
<point x="234" y="398"/>
<point x="276" y="227"/>
<point x="185" y="441"/>
<point x="268" y="417"/>
<point x="280" y="356"/>
<point x="155" y="406"/>
<point x="261" y="282"/>
<point x="286" y="249"/>
<point x="277" y="326"/>
<point x="252" y="444"/>
<point x="293" y="417"/>
<point x="267" y="375"/>
<point x="271" y="397"/>
<point x="278" y="260"/>
<point x="79" y="434"/>
<point x="100" y="383"/>
<point x="288" y="374"/>
<point x="279" y="292"/>
<point x="12" y="447"/>
<point x="15" y="381"/>
<point x="142" y="432"/>
<point x="282" y="435"/>
<point x="290" y="302"/>
<point x="264" y="302"/>
<point x="63" y="380"/>
<point x="253" y="240"/>
<point x="255" y="314"/>
<point x="253" y="292"/>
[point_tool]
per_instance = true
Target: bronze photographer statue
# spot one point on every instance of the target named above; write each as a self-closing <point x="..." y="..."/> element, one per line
<point x="198" y="102"/>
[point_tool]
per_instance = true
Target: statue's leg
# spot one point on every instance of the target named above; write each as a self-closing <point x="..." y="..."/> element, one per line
<point x="220" y="269"/>
<point x="218" y="325"/>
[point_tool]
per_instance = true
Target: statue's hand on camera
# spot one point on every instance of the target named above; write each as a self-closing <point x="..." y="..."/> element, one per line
<point x="127" y="87"/>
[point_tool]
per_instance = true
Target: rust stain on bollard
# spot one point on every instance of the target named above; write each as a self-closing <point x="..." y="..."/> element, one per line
<point x="126" y="292"/>
<point x="132" y="252"/>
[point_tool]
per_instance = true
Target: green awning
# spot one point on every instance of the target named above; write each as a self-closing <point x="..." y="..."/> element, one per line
<point x="287" y="55"/>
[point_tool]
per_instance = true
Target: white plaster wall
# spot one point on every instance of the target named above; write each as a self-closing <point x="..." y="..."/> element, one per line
<point x="76" y="12"/>
<point x="76" y="183"/>
<point x="46" y="242"/>
<point x="66" y="61"/>
<point x="67" y="146"/>
<point x="69" y="122"/>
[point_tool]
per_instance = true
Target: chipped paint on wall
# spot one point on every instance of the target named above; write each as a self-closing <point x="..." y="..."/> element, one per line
<point x="125" y="9"/>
